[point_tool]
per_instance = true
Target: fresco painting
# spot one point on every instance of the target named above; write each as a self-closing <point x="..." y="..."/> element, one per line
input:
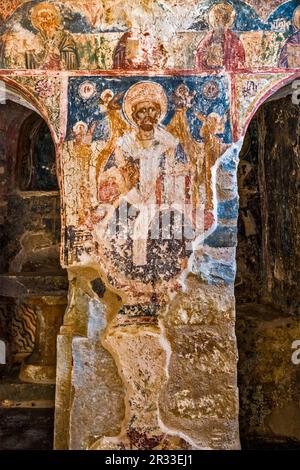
<point x="290" y="54"/>
<point x="248" y="91"/>
<point x="52" y="48"/>
<point x="227" y="35"/>
<point x="220" y="48"/>
<point x="148" y="104"/>
<point x="145" y="146"/>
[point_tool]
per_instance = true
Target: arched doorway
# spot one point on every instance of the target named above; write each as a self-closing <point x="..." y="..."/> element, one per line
<point x="268" y="274"/>
<point x="33" y="287"/>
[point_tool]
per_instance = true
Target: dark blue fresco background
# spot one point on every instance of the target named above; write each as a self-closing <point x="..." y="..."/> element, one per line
<point x="247" y="18"/>
<point x="89" y="110"/>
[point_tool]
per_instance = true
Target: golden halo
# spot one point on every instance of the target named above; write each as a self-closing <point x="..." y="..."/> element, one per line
<point x="145" y="91"/>
<point x="296" y="18"/>
<point x="223" y="7"/>
<point x="35" y="12"/>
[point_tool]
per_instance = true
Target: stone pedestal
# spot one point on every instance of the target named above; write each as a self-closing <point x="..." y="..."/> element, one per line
<point x="148" y="376"/>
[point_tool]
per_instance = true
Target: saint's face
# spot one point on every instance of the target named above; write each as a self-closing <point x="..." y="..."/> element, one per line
<point x="221" y="17"/>
<point x="297" y="19"/>
<point x="48" y="21"/>
<point x="146" y="115"/>
<point x="80" y="130"/>
<point x="106" y="97"/>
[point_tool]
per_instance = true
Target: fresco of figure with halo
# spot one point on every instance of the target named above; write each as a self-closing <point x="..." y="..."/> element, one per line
<point x="151" y="146"/>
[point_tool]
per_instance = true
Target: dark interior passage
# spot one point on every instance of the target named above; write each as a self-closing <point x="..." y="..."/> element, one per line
<point x="32" y="284"/>
<point x="268" y="276"/>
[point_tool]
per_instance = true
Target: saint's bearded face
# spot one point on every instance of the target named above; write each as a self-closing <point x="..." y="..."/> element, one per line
<point x="48" y="21"/>
<point x="297" y="19"/>
<point x="146" y="115"/>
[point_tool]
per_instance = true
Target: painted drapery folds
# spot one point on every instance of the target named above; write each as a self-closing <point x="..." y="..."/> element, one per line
<point x="148" y="103"/>
<point x="145" y="149"/>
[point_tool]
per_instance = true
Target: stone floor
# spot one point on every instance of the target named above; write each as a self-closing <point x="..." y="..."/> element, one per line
<point x="267" y="378"/>
<point x="26" y="415"/>
<point x="26" y="429"/>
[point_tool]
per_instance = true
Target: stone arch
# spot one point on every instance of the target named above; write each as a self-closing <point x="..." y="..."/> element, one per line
<point x="28" y="98"/>
<point x="260" y="99"/>
<point x="33" y="286"/>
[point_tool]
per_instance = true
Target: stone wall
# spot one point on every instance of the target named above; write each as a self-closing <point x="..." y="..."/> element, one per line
<point x="30" y="224"/>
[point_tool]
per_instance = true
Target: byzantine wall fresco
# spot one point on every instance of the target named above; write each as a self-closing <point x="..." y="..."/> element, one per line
<point x="148" y="35"/>
<point x="148" y="103"/>
<point x="169" y="173"/>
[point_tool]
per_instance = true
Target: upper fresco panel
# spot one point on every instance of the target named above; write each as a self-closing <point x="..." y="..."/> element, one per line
<point x="204" y="36"/>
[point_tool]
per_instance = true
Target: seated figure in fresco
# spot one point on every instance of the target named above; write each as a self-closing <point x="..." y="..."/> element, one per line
<point x="144" y="170"/>
<point x="220" y="48"/>
<point x="52" y="48"/>
<point x="139" y="50"/>
<point x="290" y="54"/>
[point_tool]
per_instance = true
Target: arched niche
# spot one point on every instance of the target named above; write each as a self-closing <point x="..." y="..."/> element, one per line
<point x="268" y="260"/>
<point x="33" y="286"/>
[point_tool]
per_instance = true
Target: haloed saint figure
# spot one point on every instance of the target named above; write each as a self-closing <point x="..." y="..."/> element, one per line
<point x="52" y="48"/>
<point x="144" y="171"/>
<point x="290" y="54"/>
<point x="220" y="47"/>
<point x="146" y="195"/>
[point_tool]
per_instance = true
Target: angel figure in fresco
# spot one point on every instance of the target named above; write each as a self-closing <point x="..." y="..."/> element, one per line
<point x="201" y="155"/>
<point x="220" y="48"/>
<point x="213" y="125"/>
<point x="111" y="107"/>
<point x="179" y="127"/>
<point x="144" y="170"/>
<point x="290" y="54"/>
<point x="79" y="150"/>
<point x="52" y="47"/>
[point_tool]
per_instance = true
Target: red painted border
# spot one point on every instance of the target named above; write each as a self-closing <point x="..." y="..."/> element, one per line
<point x="146" y="72"/>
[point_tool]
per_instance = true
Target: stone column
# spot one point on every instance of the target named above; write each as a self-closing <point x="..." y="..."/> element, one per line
<point x="200" y="398"/>
<point x="89" y="393"/>
<point x="136" y="340"/>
